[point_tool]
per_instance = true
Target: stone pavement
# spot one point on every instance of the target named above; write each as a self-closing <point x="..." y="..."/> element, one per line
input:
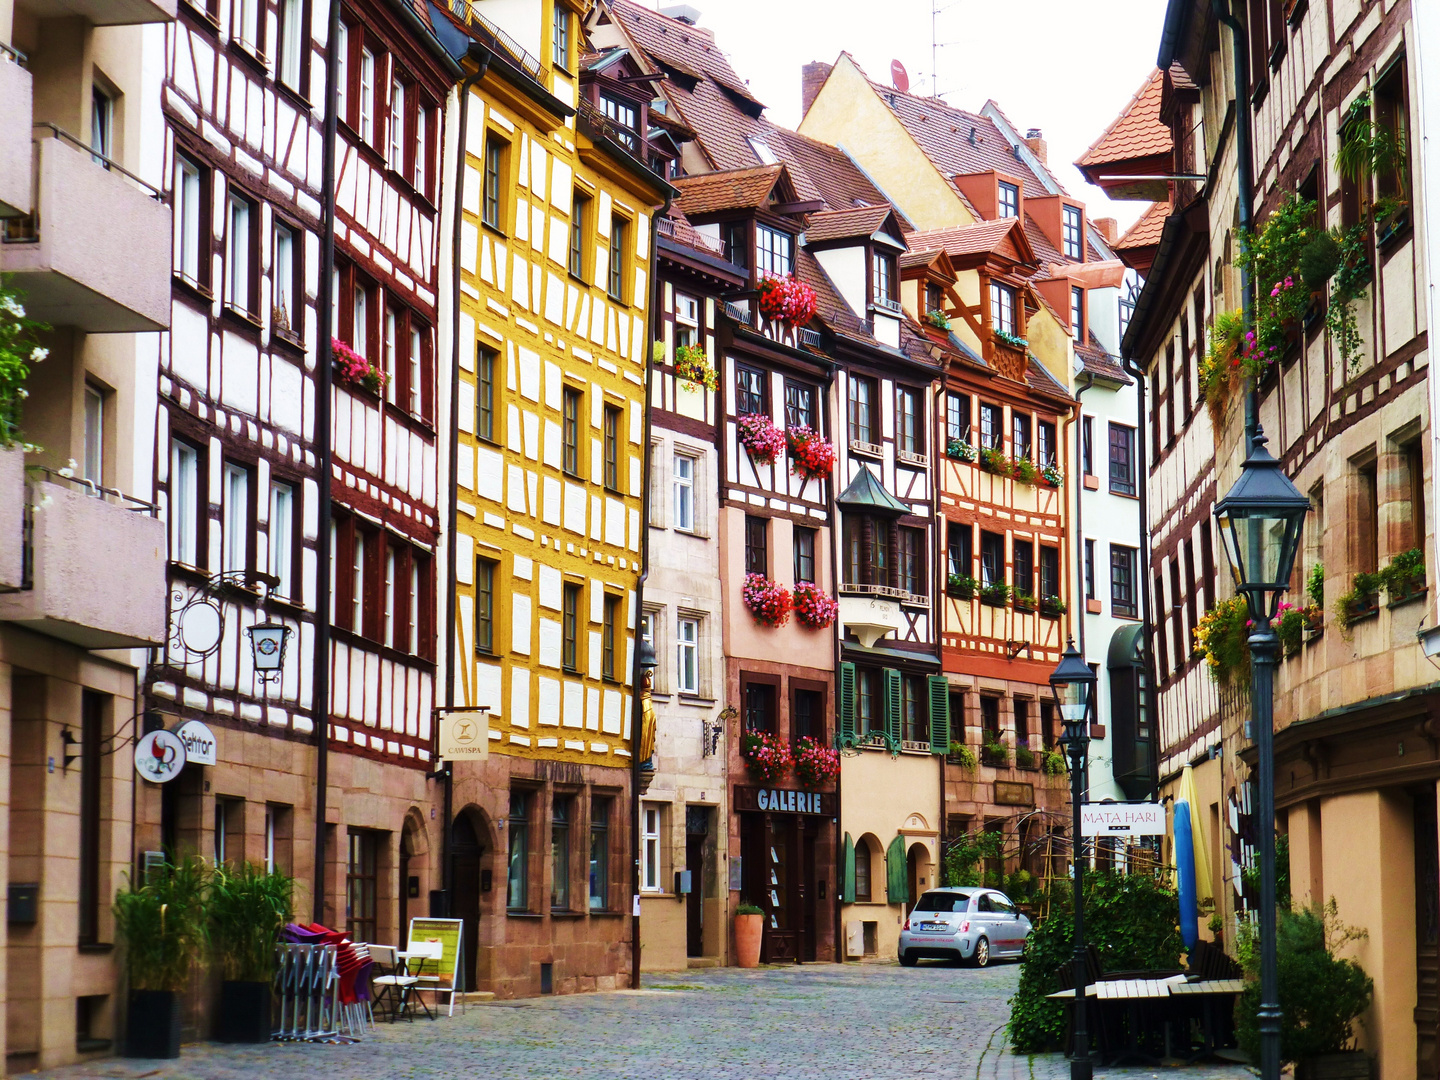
<point x="854" y="1022"/>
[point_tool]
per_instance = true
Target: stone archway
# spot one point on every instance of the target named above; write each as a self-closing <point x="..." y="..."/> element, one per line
<point x="414" y="872"/>
<point x="919" y="871"/>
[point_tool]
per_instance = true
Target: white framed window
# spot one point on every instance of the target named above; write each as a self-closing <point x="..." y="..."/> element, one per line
<point x="342" y="72"/>
<point x="361" y="323"/>
<point x="247" y="23"/>
<point x="684" y="481"/>
<point x="687" y="320"/>
<point x="687" y="655"/>
<point x="392" y="360"/>
<point x="282" y="538"/>
<point x="1002" y="307"/>
<point x="237" y="254"/>
<point x="236" y="545"/>
<point x="282" y="275"/>
<point x="292" y="42"/>
<point x="396" y="156"/>
<point x="367" y="95"/>
<point x="650" y="848"/>
<point x="188" y="218"/>
<point x="415" y="370"/>
<point x="357" y="584"/>
<point x="390" y="600"/>
<point x="421" y="162"/>
<point x="94" y="435"/>
<point x="102" y="125"/>
<point x="184" y="502"/>
<point x="412" y="609"/>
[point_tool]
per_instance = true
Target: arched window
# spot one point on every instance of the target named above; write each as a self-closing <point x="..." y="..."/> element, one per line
<point x="862" y="872"/>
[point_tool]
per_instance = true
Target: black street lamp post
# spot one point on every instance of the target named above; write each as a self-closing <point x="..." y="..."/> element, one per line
<point x="1073" y="684"/>
<point x="1260" y="521"/>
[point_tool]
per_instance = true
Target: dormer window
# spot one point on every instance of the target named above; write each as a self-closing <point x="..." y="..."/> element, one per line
<point x="774" y="252"/>
<point x="934" y="297"/>
<point x="623" y="115"/>
<point x="882" y="285"/>
<point x="1077" y="313"/>
<point x="1009" y="200"/>
<point x="762" y="150"/>
<point x="1002" y="307"/>
<point x="1070" y="234"/>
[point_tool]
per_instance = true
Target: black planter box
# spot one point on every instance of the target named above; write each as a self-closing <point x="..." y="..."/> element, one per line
<point x="1347" y="1065"/>
<point x="152" y="1029"/>
<point x="244" y="1012"/>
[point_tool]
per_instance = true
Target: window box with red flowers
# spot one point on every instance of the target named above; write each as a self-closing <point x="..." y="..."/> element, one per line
<point x="768" y="601"/>
<point x="354" y="369"/>
<point x="815" y="763"/>
<point x="811" y="455"/>
<point x="813" y="606"/>
<point x="787" y="300"/>
<point x="766" y="755"/>
<point x="762" y="439"/>
<point x="693" y="368"/>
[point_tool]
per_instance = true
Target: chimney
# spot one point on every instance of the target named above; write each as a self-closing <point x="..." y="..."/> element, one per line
<point x="683" y="13"/>
<point x="812" y="78"/>
<point x="1108" y="228"/>
<point x="1036" y="142"/>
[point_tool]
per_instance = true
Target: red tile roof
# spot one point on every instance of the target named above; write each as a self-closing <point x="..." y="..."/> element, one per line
<point x="738" y="189"/>
<point x="981" y="238"/>
<point x="1146" y="231"/>
<point x="854" y="223"/>
<point x="1099" y="362"/>
<point x="827" y="171"/>
<point x="1136" y="133"/>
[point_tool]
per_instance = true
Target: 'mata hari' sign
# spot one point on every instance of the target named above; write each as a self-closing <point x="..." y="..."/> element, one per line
<point x="1122" y="819"/>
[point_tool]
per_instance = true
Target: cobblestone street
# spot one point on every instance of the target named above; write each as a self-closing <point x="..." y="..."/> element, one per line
<point x="858" y="1022"/>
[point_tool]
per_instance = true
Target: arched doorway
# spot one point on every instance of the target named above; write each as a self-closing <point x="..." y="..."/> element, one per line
<point x="470" y="860"/>
<point x="917" y="868"/>
<point x="414" y="872"/>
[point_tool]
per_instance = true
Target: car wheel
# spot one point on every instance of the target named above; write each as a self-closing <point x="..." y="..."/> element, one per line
<point x="908" y="959"/>
<point x="982" y="953"/>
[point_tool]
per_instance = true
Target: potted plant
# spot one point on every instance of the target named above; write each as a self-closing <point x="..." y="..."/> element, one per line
<point x="1362" y="601"/>
<point x="1223" y="638"/>
<point x="1052" y="475"/>
<point x="1054" y="763"/>
<point x="993" y="461"/>
<point x="1404" y="577"/>
<point x="962" y="755"/>
<point x="1024" y="601"/>
<point x="814" y="608"/>
<point x="162" y="924"/>
<point x="960" y="586"/>
<point x="960" y="450"/>
<point x="763" y="441"/>
<point x="996" y="594"/>
<point x="766" y="755"/>
<point x="768" y="602"/>
<point x="811" y="455"/>
<point x="693" y="368"/>
<point x="1024" y="757"/>
<point x="1052" y="606"/>
<point x="995" y="753"/>
<point x="788" y="300"/>
<point x="749" y="926"/>
<point x="815" y="763"/>
<point x="354" y="369"/>
<point x="1015" y="341"/>
<point x="1291" y="625"/>
<point x="1024" y="470"/>
<point x="248" y="907"/>
<point x="19" y="349"/>
<point x="938" y="319"/>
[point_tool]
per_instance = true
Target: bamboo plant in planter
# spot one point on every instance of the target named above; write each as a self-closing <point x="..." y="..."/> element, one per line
<point x="248" y="907"/>
<point x="162" y="923"/>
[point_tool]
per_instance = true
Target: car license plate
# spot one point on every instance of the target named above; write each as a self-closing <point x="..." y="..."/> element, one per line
<point x="933" y="926"/>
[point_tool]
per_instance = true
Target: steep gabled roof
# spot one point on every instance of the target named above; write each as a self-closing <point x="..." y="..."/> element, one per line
<point x="1146" y="230"/>
<point x="1136" y="133"/>
<point x="738" y="189"/>
<point x="858" y="222"/>
<point x="964" y="243"/>
<point x="829" y="171"/>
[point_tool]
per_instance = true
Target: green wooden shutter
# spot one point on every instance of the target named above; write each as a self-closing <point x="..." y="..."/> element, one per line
<point x="892" y="703"/>
<point x="897" y="887"/>
<point x="847" y="891"/>
<point x="847" y="704"/>
<point x="939" y="714"/>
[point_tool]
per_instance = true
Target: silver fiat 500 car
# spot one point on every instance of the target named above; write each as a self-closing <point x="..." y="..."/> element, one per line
<point x="963" y="924"/>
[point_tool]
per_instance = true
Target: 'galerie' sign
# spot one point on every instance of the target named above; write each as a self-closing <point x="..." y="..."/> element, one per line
<point x="784" y="800"/>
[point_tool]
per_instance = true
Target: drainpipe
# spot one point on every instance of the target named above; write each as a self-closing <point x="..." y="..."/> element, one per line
<point x="481" y="56"/>
<point x="320" y="677"/>
<point x="1426" y="33"/>
<point x="1245" y="180"/>
<point x="637" y="673"/>
<point x="839" y="776"/>
<point x="1080" y="504"/>
<point x="1142" y="541"/>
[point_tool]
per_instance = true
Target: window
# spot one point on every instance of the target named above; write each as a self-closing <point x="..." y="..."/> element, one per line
<point x="92" y="719"/>
<point x="236" y="547"/>
<point x="1045" y="443"/>
<point x="395" y="125"/>
<point x="249" y="18"/>
<point x="616" y="288"/>
<point x="800" y="406"/>
<point x="190" y="220"/>
<point x="1367" y="523"/>
<point x="734" y="242"/>
<point x="687" y="655"/>
<point x="749" y="390"/>
<point x="491" y="212"/>
<point x="570" y="431"/>
<point x="623" y="115"/>
<point x="1024" y="565"/>
<point x="612" y="447"/>
<point x="650" y="848"/>
<point x="1070" y="234"/>
<point x="1022" y="721"/>
<point x="360" y="886"/>
<point x="867" y="550"/>
<point x="599" y="854"/>
<point x="909" y="421"/>
<point x="862" y="399"/>
<point x="957" y="417"/>
<point x="102" y="125"/>
<point x="883" y="279"/>
<point x="1122" y="459"/>
<point x="284" y="311"/>
<point x="959" y="548"/>
<point x="869" y="715"/>
<point x="1077" y="313"/>
<point x="610" y="638"/>
<point x="1020" y="435"/>
<point x="807" y="717"/>
<point x="934" y="297"/>
<point x="992" y="558"/>
<point x="366" y="125"/>
<point x="560" y="40"/>
<point x="759" y="707"/>
<point x="990" y="718"/>
<point x="1122" y="580"/>
<point x="342" y="73"/>
<point x="485" y="606"/>
<point x="282" y="538"/>
<point x="773" y="252"/>
<point x="570" y="628"/>
<point x="1089" y="569"/>
<point x="990" y="426"/>
<point x="1391" y="117"/>
<point x="804" y="542"/>
<point x="1048" y="732"/>
<point x="1177" y="623"/>
<point x="485" y="393"/>
<point x="238" y="242"/>
<point x="1412" y="491"/>
<point x="762" y="150"/>
<point x="1049" y="572"/>
<point x="93" y="468"/>
<point x="579" y="208"/>
<point x="560" y="853"/>
<point x="184" y="512"/>
<point x="913" y="578"/>
<point x="421" y="156"/>
<point x="862" y="872"/>
<point x="687" y="321"/>
<point x="517" y="879"/>
<point x="1002" y="307"/>
<point x="683" y="481"/>
<point x="393" y="558"/>
<point x="914" y="710"/>
<point x="1009" y="200"/>
<point x="291" y="53"/>
<point x="757" y="546"/>
<point x="1087" y="445"/>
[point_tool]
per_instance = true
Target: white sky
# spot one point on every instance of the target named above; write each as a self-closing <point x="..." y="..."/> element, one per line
<point x="1064" y="66"/>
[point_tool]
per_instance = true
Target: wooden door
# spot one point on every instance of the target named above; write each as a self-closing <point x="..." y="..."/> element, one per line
<point x="467" y="862"/>
<point x="810" y="905"/>
<point x="1427" y="934"/>
<point x="695" y="902"/>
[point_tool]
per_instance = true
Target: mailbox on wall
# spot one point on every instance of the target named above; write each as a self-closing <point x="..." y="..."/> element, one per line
<point x="682" y="883"/>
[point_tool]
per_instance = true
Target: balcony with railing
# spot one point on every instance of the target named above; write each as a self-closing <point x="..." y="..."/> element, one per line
<point x="16" y="95"/>
<point x="91" y="560"/>
<point x="94" y="251"/>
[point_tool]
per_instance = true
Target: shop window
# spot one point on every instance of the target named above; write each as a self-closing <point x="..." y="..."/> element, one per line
<point x="361" y="885"/>
<point x="517" y="828"/>
<point x="560" y="853"/>
<point x="599" y="854"/>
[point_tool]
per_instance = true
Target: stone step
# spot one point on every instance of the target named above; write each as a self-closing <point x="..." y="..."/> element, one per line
<point x="474" y="997"/>
<point x="702" y="962"/>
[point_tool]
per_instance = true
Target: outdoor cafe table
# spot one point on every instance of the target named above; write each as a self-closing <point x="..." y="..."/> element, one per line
<point x="405" y="958"/>
<point x="1132" y="992"/>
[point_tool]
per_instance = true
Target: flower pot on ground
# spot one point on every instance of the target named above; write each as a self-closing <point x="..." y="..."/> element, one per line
<point x="162" y="923"/>
<point x="248" y="907"/>
<point x="749" y="927"/>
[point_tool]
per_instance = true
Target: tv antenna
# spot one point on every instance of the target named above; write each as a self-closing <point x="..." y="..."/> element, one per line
<point x="936" y="9"/>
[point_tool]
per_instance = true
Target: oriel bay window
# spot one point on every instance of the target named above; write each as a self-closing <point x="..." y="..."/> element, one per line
<point x="900" y="707"/>
<point x="867" y="549"/>
<point x="913" y="576"/>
